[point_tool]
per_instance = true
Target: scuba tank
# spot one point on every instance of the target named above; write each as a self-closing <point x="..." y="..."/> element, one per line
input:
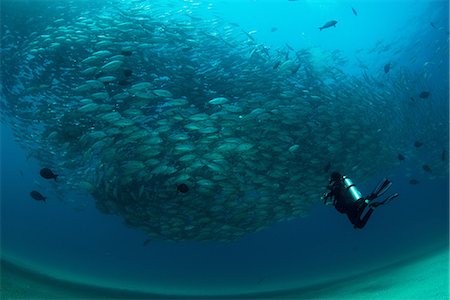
<point x="351" y="189"/>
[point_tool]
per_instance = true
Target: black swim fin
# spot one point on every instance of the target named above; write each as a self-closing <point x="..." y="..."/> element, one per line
<point x="387" y="200"/>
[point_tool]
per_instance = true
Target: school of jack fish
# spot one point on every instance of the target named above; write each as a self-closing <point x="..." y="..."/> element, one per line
<point x="138" y="100"/>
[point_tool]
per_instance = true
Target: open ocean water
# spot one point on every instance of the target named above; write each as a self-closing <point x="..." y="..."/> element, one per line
<point x="251" y="106"/>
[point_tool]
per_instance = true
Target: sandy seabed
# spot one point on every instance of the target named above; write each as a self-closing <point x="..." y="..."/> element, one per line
<point x="423" y="277"/>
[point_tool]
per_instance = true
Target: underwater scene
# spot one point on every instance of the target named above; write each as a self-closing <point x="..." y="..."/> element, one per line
<point x="246" y="149"/>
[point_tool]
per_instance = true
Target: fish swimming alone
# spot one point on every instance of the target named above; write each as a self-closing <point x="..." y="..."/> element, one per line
<point x="417" y="144"/>
<point x="37" y="196"/>
<point x="354" y="12"/>
<point x="424" y="94"/>
<point x="401" y="156"/>
<point x="48" y="174"/>
<point x="328" y="24"/>
<point x="414" y="181"/>
<point x="426" y="168"/>
<point x="387" y="68"/>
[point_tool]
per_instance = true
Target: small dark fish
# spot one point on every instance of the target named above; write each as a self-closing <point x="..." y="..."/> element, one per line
<point x="400" y="157"/>
<point x="444" y="155"/>
<point x="432" y="25"/>
<point x="354" y="12"/>
<point x="426" y="168"/>
<point x="37" y="196"/>
<point x="329" y="24"/>
<point x="126" y="53"/>
<point x="48" y="174"/>
<point x="295" y="69"/>
<point x="127" y="72"/>
<point x="276" y="65"/>
<point x="289" y="47"/>
<point x="99" y="74"/>
<point x="424" y="94"/>
<point x="124" y="82"/>
<point x="412" y="99"/>
<point x="273" y="29"/>
<point x="387" y="68"/>
<point x="182" y="188"/>
<point x="327" y="167"/>
<point x="414" y="181"/>
<point x="417" y="144"/>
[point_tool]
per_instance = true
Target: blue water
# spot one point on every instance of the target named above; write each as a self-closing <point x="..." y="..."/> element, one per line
<point x="67" y="237"/>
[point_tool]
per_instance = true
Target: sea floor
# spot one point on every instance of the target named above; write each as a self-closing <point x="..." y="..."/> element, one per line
<point x="423" y="277"/>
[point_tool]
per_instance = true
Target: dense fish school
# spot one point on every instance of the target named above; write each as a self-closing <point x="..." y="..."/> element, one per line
<point x="183" y="126"/>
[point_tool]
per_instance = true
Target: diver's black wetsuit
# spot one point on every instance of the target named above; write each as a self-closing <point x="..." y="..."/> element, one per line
<point x="348" y="200"/>
<point x="346" y="205"/>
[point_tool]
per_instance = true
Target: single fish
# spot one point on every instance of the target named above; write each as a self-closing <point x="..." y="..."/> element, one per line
<point x="182" y="188"/>
<point x="295" y="69"/>
<point x="414" y="181"/>
<point x="276" y="65"/>
<point x="426" y="168"/>
<point x="127" y="72"/>
<point x="126" y="53"/>
<point x="417" y="144"/>
<point x="48" y="174"/>
<point x="401" y="157"/>
<point x="329" y="24"/>
<point x="354" y="12"/>
<point x="424" y="94"/>
<point x="387" y="68"/>
<point x="37" y="196"/>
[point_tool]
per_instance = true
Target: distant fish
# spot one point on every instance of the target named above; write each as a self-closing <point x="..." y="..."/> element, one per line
<point x="401" y="157"/>
<point x="417" y="144"/>
<point x="37" y="196"/>
<point x="295" y="69"/>
<point x="424" y="94"/>
<point x="276" y="65"/>
<point x="328" y="24"/>
<point x="412" y="99"/>
<point x="426" y="168"/>
<point x="123" y="82"/>
<point x="387" y="68"/>
<point x="273" y="29"/>
<point x="126" y="53"/>
<point x="127" y="72"/>
<point x="354" y="12"/>
<point x="432" y="25"/>
<point x="146" y="242"/>
<point x="414" y="181"/>
<point x="48" y="174"/>
<point x="182" y="188"/>
<point x="327" y="167"/>
<point x="289" y="47"/>
<point x="444" y="155"/>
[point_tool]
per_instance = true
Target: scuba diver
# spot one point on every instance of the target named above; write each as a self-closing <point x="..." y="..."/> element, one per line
<point x="347" y="199"/>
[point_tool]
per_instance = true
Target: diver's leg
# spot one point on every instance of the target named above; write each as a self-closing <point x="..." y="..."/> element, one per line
<point x="360" y="223"/>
